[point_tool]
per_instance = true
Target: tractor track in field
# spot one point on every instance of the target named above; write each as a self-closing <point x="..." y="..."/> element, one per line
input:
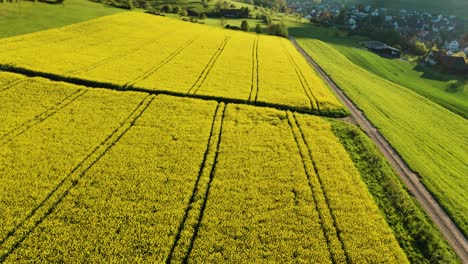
<point x="199" y="186"/>
<point x="10" y="84"/>
<point x="123" y="54"/>
<point x="207" y="192"/>
<point x="15" y="237"/>
<point x="436" y="213"/>
<point x="253" y="96"/>
<point x="165" y="61"/>
<point x="7" y="137"/>
<point x="206" y="71"/>
<point x="317" y="190"/>
<point x="300" y="75"/>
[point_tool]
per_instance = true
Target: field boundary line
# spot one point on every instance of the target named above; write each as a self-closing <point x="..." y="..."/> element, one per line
<point x="99" y="84"/>
<point x="19" y="130"/>
<point x="331" y="233"/>
<point x="302" y="79"/>
<point x="199" y="188"/>
<point x="162" y="63"/>
<point x="432" y="208"/>
<point x="206" y="71"/>
<point x="253" y="95"/>
<point x="17" y="235"/>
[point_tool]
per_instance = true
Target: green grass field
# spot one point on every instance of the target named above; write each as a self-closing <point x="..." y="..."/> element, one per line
<point x="30" y="17"/>
<point x="433" y="85"/>
<point x="429" y="137"/>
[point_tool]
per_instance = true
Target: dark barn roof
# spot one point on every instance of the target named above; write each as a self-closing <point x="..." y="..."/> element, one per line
<point x="453" y="64"/>
<point x="382" y="49"/>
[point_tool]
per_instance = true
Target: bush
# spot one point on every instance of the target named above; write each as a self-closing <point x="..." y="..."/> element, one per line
<point x="232" y="27"/>
<point x="166" y="9"/>
<point x="258" y="28"/>
<point x="417" y="47"/>
<point x="176" y="9"/>
<point x="279" y="29"/>
<point x="245" y="25"/>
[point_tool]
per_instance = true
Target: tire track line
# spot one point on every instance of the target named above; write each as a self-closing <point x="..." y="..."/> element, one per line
<point x="17" y="235"/>
<point x="7" y="137"/>
<point x="206" y="194"/>
<point x="185" y="230"/>
<point x="166" y="60"/>
<point x="204" y="74"/>
<point x="327" y="219"/>
<point x="302" y="79"/>
<point x="255" y="72"/>
<point x="123" y="54"/>
<point x="10" y="84"/>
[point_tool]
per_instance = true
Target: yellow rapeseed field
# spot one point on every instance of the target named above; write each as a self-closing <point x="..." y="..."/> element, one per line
<point x="92" y="175"/>
<point x="136" y="50"/>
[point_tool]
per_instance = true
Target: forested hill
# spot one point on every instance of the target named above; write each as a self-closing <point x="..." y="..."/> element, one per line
<point x="455" y="7"/>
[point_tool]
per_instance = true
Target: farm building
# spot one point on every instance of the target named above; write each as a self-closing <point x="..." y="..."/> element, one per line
<point x="382" y="49"/>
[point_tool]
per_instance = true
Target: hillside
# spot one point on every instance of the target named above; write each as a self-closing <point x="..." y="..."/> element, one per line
<point x="424" y="134"/>
<point x="30" y="16"/>
<point x="450" y="7"/>
<point x="449" y="91"/>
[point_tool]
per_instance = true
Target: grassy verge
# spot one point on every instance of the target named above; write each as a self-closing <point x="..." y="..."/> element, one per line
<point x="426" y="135"/>
<point x="449" y="91"/>
<point x="28" y="17"/>
<point x="420" y="240"/>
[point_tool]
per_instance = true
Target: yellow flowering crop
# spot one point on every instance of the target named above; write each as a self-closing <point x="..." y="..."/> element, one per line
<point x="91" y="175"/>
<point x="161" y="54"/>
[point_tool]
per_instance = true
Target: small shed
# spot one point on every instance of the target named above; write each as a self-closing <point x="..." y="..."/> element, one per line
<point x="382" y="49"/>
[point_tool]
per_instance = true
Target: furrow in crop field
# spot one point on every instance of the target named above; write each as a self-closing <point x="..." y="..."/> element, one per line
<point x="327" y="220"/>
<point x="259" y="207"/>
<point x="189" y="228"/>
<point x="206" y="71"/>
<point x="28" y="100"/>
<point x="363" y="231"/>
<point x="161" y="64"/>
<point x="254" y="82"/>
<point x="300" y="76"/>
<point x="10" y="84"/>
<point x="128" y="205"/>
<point x="278" y="80"/>
<point x="8" y="136"/>
<point x="32" y="164"/>
<point x="231" y="76"/>
<point x="156" y="40"/>
<point x="255" y="71"/>
<point x="21" y="231"/>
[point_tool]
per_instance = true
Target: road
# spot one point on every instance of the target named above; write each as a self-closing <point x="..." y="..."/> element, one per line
<point x="442" y="221"/>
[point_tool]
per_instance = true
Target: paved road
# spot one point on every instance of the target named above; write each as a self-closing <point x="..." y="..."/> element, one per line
<point x="445" y="225"/>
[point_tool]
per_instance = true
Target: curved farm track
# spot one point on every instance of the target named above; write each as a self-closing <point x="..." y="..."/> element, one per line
<point x="443" y="222"/>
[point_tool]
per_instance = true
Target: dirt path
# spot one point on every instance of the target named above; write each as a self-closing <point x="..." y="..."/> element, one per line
<point x="445" y="225"/>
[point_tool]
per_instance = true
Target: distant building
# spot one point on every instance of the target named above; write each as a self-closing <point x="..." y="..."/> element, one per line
<point x="453" y="46"/>
<point x="450" y="64"/>
<point x="382" y="49"/>
<point x="453" y="64"/>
